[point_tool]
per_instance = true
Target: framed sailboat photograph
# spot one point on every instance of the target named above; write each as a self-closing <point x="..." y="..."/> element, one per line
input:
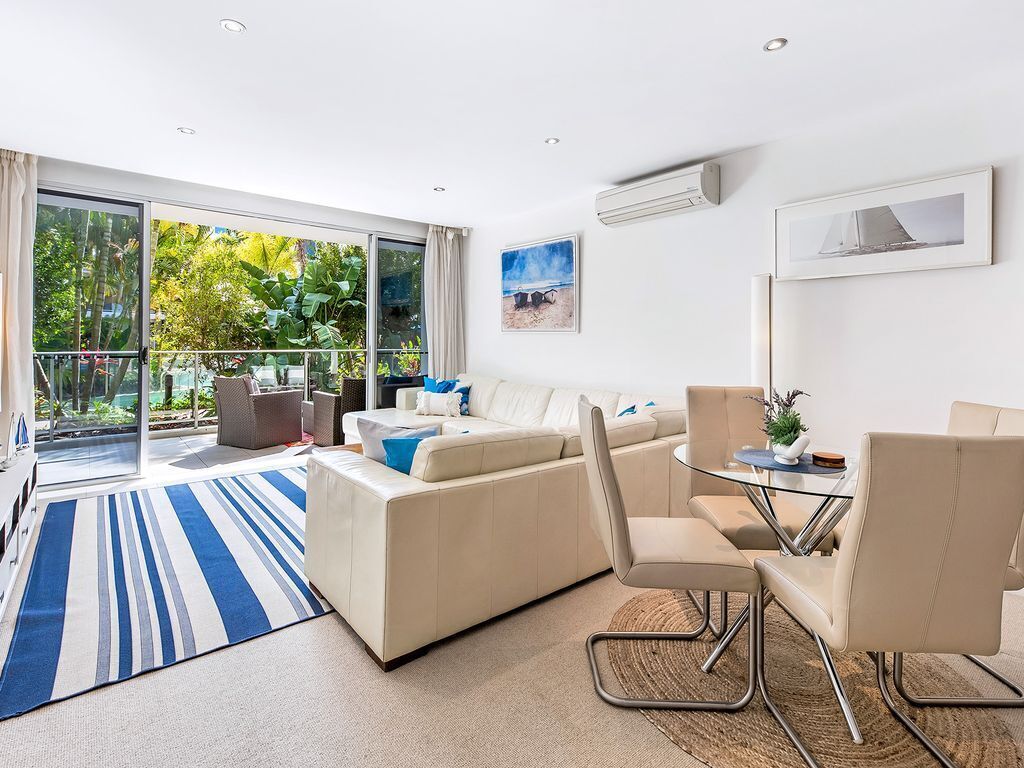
<point x="929" y="224"/>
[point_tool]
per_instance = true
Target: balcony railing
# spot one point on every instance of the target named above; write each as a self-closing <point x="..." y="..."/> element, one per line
<point x="82" y="394"/>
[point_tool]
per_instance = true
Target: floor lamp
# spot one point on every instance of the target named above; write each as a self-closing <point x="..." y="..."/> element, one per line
<point x="761" y="332"/>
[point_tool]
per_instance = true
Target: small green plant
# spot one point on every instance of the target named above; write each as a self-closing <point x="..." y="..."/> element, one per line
<point x="408" y="360"/>
<point x="782" y="423"/>
<point x="352" y="365"/>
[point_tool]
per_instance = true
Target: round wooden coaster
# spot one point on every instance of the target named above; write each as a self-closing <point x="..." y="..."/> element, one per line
<point x="826" y="459"/>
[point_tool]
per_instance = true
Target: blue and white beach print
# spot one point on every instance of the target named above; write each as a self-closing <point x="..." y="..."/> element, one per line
<point x="538" y="286"/>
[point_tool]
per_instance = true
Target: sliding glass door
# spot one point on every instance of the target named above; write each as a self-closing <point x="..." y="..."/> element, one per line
<point x="89" y="336"/>
<point x="401" y="349"/>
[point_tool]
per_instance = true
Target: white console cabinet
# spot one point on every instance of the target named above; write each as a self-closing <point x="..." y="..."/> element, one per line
<point x="17" y="516"/>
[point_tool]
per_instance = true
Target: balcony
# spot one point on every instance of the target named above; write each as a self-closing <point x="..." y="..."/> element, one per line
<point x="81" y="436"/>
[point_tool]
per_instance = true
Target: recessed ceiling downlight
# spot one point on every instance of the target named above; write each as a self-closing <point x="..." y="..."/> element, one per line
<point x="775" y="44"/>
<point x="552" y="140"/>
<point x="233" y="26"/>
<point x="187" y="131"/>
<point x="439" y="189"/>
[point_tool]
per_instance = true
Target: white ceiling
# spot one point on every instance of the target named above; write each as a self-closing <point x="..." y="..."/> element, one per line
<point x="369" y="104"/>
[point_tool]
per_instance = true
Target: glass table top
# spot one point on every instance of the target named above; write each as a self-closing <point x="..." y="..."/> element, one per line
<point x="717" y="458"/>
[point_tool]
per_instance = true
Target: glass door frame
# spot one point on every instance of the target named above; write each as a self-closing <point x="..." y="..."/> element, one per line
<point x="65" y="189"/>
<point x="373" y="306"/>
<point x="141" y="353"/>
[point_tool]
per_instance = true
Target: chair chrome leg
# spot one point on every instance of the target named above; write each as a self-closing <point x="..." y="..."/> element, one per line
<point x="840" y="691"/>
<point x="716" y="629"/>
<point x="723" y="615"/>
<point x="704" y="706"/>
<point x="958" y="701"/>
<point x="910" y="725"/>
<point x="758" y="617"/>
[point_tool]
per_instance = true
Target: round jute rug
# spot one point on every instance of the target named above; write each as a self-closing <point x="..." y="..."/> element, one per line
<point x="796" y="679"/>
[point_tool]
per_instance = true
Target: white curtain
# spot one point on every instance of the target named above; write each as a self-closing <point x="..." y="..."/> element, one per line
<point x="443" y="299"/>
<point x="17" y="230"/>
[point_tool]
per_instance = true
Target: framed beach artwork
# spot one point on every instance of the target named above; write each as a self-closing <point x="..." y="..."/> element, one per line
<point x="538" y="286"/>
<point x="929" y="224"/>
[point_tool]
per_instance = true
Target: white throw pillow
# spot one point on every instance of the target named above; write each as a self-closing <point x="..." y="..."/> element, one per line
<point x="439" y="404"/>
<point x="372" y="435"/>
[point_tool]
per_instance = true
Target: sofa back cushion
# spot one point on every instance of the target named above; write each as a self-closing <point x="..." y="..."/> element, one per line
<point x="521" y="405"/>
<point x="481" y="392"/>
<point x="564" y="406"/>
<point x="621" y="430"/>
<point x="669" y="411"/>
<point x="449" y="457"/>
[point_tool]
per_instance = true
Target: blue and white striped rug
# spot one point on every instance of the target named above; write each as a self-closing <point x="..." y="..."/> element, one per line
<point x="126" y="583"/>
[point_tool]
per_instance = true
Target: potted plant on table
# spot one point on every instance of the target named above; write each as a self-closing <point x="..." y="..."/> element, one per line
<point x="784" y="426"/>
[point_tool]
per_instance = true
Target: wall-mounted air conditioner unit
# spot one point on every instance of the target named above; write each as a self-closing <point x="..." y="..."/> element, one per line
<point x="663" y="195"/>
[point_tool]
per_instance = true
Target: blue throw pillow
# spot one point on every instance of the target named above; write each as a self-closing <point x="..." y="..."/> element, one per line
<point x="464" y="407"/>
<point x="400" y="452"/>
<point x="439" y="385"/>
<point x="632" y="409"/>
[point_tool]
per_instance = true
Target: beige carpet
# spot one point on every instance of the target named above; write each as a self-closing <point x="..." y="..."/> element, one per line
<point x="516" y="692"/>
<point x="797" y="680"/>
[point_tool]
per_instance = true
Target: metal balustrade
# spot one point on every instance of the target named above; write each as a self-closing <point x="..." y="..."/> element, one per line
<point x="181" y="384"/>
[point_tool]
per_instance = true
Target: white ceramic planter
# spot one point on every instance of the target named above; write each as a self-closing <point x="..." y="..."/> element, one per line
<point x="790" y="454"/>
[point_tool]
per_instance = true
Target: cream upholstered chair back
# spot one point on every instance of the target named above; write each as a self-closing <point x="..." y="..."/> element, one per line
<point x="607" y="510"/>
<point x="721" y="420"/>
<point x="924" y="556"/>
<point x="978" y="419"/>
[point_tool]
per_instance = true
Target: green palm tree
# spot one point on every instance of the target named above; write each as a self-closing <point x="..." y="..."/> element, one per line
<point x="271" y="253"/>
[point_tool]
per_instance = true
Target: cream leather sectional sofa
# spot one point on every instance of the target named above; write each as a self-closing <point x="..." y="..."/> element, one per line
<point x="494" y="514"/>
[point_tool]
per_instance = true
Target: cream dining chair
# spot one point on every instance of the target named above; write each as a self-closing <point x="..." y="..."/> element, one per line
<point x="935" y="515"/>
<point x="727" y="416"/>
<point x="660" y="553"/>
<point x="977" y="420"/>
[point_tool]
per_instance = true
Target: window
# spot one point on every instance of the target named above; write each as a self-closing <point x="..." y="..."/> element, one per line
<point x="401" y="346"/>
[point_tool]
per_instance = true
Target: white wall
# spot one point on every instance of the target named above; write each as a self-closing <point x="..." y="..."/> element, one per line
<point x="666" y="303"/>
<point x="114" y="182"/>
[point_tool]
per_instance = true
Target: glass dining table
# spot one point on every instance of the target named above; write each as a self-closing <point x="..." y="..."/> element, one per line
<point x="828" y="494"/>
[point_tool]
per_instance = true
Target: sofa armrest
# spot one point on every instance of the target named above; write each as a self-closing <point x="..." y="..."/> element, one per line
<point x="368" y="475"/>
<point x="371" y="548"/>
<point x="405" y="398"/>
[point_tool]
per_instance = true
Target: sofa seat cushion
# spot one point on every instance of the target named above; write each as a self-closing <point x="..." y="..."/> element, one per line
<point x="564" y="406"/>
<point x="741" y="524"/>
<point x="471" y="424"/>
<point x="391" y="416"/>
<point x="522" y="405"/>
<point x="622" y="430"/>
<point x="449" y="457"/>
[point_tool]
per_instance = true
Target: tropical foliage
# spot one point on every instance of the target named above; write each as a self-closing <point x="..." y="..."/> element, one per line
<point x="305" y="311"/>
<point x="210" y="289"/>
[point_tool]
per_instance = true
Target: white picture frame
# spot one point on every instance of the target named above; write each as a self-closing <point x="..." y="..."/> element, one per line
<point x="549" y="267"/>
<point x="936" y="223"/>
